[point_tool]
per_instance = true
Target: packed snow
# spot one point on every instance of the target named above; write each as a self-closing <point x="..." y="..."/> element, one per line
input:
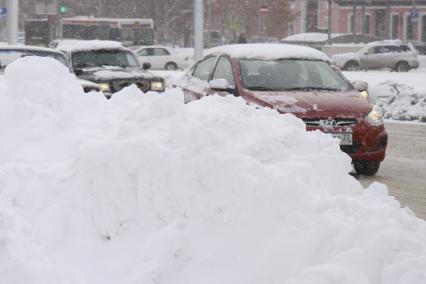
<point x="145" y="189"/>
<point x="401" y="96"/>
<point x="311" y="37"/>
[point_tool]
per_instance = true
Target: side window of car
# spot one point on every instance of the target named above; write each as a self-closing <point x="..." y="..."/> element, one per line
<point x="161" y="52"/>
<point x="223" y="70"/>
<point x="143" y="52"/>
<point x="203" y="69"/>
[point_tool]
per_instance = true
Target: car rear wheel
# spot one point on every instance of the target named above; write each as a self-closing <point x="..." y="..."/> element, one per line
<point x="171" y="66"/>
<point x="402" y="67"/>
<point x="367" y="168"/>
<point x="352" y="66"/>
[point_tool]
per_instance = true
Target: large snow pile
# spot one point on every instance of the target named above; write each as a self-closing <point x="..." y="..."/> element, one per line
<point x="401" y="96"/>
<point x="146" y="189"/>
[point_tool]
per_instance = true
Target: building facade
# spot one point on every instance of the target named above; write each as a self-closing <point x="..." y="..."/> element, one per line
<point x="385" y="19"/>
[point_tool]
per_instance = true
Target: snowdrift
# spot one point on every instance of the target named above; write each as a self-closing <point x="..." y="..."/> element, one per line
<point x="146" y="189"/>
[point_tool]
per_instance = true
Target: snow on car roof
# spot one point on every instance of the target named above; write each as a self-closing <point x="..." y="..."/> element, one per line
<point x="269" y="51"/>
<point x="28" y="47"/>
<point x="312" y="37"/>
<point x="81" y="45"/>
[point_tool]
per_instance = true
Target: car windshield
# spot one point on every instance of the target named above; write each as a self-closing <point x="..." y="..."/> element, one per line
<point x="290" y="74"/>
<point x="99" y="58"/>
<point x="7" y="56"/>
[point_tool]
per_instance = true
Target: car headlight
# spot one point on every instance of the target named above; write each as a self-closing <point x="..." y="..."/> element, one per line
<point x="157" y="86"/>
<point x="375" y="116"/>
<point x="104" y="87"/>
<point x="364" y="94"/>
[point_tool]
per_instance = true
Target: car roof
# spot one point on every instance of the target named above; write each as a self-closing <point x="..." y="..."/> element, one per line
<point x="395" y="42"/>
<point x="29" y="47"/>
<point x="86" y="45"/>
<point x="269" y="51"/>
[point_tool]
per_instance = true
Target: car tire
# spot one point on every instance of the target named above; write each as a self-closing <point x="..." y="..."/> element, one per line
<point x="352" y="66"/>
<point x="402" y="66"/>
<point x="171" y="66"/>
<point x="367" y="168"/>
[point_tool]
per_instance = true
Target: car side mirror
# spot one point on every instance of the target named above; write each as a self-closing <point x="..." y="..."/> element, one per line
<point x="220" y="85"/>
<point x="146" y="65"/>
<point x="360" y="86"/>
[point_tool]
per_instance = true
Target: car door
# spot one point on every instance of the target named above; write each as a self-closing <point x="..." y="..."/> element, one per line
<point x="161" y="57"/>
<point x="373" y="58"/>
<point x="195" y="84"/>
<point x="145" y="55"/>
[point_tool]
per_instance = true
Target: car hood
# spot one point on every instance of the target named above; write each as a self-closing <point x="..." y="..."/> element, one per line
<point x="102" y="74"/>
<point x="316" y="104"/>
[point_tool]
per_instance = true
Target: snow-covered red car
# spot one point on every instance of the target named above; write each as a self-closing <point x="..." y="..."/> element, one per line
<point x="390" y="54"/>
<point x="298" y="80"/>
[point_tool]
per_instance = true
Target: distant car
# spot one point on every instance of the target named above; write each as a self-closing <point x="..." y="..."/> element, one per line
<point x="260" y="39"/>
<point x="392" y="54"/>
<point x="298" y="80"/>
<point x="162" y="57"/>
<point x="110" y="65"/>
<point x="8" y="54"/>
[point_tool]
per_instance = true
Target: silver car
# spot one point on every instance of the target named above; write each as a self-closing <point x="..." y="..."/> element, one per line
<point x="391" y="54"/>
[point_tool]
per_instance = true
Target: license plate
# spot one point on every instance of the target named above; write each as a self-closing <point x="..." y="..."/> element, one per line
<point x="345" y="138"/>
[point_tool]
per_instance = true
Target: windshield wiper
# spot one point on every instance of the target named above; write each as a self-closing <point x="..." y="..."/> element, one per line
<point x="313" y="88"/>
<point x="261" y="88"/>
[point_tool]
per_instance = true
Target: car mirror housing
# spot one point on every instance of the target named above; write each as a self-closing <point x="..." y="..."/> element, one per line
<point x="360" y="86"/>
<point x="219" y="85"/>
<point x="146" y="66"/>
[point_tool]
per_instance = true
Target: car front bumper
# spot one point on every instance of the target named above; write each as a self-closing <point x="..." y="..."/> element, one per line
<point x="368" y="142"/>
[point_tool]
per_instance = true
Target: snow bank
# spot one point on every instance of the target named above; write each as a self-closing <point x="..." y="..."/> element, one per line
<point x="146" y="189"/>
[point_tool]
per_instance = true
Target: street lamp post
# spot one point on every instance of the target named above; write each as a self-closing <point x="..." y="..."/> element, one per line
<point x="12" y="21"/>
<point x="198" y="29"/>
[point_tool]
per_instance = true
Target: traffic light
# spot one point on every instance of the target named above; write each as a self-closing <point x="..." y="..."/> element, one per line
<point x="62" y="9"/>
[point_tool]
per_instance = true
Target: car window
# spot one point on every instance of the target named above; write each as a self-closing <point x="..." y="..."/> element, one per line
<point x="282" y="75"/>
<point x="161" y="52"/>
<point x="223" y="70"/>
<point x="381" y="49"/>
<point x="203" y="69"/>
<point x="143" y="52"/>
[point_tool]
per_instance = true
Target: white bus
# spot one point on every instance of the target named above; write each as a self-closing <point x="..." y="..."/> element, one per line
<point x="128" y="31"/>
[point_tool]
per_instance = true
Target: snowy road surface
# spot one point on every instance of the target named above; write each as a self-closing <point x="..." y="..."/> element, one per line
<point x="404" y="168"/>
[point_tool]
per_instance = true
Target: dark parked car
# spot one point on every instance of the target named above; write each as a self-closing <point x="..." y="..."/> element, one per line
<point x="298" y="80"/>
<point x="8" y="54"/>
<point x="109" y="64"/>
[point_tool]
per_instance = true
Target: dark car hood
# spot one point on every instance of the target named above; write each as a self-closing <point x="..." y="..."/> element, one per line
<point x="102" y="74"/>
<point x="314" y="104"/>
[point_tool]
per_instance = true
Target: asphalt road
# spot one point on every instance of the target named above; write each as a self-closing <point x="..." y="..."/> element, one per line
<point x="404" y="168"/>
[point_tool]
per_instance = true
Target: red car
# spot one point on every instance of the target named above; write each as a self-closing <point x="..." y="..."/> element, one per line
<point x="298" y="80"/>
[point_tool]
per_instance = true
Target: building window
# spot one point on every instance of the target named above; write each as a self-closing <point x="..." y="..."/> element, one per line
<point x="395" y="26"/>
<point x="291" y="29"/>
<point x="367" y="24"/>
<point x="410" y="28"/>
<point x="380" y="23"/>
<point x="350" y="25"/>
<point x="424" y="28"/>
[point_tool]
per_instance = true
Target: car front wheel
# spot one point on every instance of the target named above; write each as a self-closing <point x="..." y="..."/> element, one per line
<point x="367" y="168"/>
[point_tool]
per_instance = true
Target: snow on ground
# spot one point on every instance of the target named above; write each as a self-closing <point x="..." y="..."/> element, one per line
<point x="401" y="96"/>
<point x="145" y="189"/>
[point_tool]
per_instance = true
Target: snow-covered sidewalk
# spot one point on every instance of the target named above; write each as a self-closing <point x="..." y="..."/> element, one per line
<point x="146" y="189"/>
